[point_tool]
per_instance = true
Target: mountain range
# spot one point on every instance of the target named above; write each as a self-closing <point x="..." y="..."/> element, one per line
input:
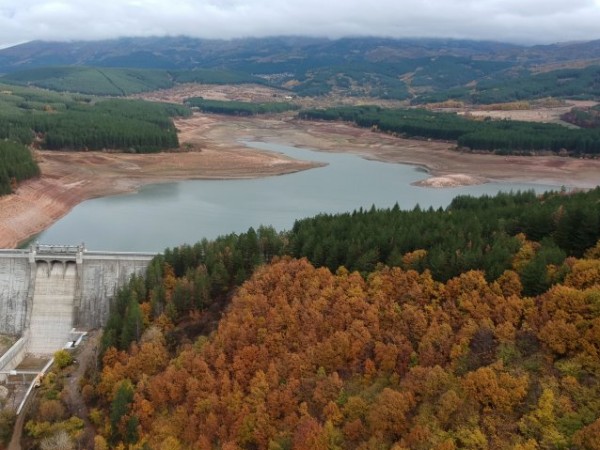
<point x="398" y="69"/>
<point x="187" y="53"/>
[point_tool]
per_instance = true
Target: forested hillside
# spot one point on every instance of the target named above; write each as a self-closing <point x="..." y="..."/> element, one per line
<point x="76" y="122"/>
<point x="307" y="357"/>
<point x="576" y="83"/>
<point x="120" y="81"/>
<point x="419" y="70"/>
<point x="499" y="136"/>
<point x="16" y="164"/>
<point x="48" y="120"/>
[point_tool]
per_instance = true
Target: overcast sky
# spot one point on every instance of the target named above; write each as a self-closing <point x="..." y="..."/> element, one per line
<point x="519" y="21"/>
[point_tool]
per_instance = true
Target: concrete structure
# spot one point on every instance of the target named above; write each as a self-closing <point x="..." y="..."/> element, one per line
<point x="47" y="290"/>
<point x="12" y="358"/>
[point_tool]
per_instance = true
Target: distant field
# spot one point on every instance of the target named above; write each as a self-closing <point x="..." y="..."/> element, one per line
<point x="498" y="136"/>
<point x="118" y="81"/>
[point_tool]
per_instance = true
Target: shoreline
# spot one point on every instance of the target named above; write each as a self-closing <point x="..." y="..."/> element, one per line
<point x="215" y="153"/>
<point x="70" y="178"/>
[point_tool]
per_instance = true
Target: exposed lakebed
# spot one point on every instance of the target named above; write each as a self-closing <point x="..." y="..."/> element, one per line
<point x="169" y="214"/>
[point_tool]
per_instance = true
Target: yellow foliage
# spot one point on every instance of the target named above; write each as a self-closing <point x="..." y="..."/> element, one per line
<point x="584" y="274"/>
<point x="531" y="444"/>
<point x="594" y="252"/>
<point x="525" y="254"/>
<point x="471" y="438"/>
<point x="409" y="260"/>
<point x="170" y="443"/>
<point x="100" y="443"/>
<point x="497" y="391"/>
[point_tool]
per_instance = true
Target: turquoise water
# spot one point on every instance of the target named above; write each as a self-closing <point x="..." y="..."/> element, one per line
<point x="169" y="214"/>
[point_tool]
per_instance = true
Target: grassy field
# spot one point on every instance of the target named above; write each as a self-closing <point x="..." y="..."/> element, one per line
<point x="118" y="81"/>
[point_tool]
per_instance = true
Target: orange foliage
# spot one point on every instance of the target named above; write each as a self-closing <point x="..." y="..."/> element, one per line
<point x="307" y="359"/>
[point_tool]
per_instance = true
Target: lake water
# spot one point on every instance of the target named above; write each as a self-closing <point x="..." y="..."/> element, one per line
<point x="170" y="214"/>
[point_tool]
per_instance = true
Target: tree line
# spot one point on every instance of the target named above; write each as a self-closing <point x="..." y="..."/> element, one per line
<point x="120" y="81"/>
<point x="54" y="121"/>
<point x="466" y="327"/>
<point x="583" y="117"/>
<point x="518" y="231"/>
<point x="16" y="164"/>
<point x="572" y="83"/>
<point x="500" y="136"/>
<point x="237" y="108"/>
<point x="127" y="125"/>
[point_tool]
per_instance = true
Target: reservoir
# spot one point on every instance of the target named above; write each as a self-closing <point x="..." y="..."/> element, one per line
<point x="170" y="214"/>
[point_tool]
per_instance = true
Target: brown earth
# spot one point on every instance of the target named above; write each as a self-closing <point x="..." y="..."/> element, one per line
<point x="69" y="178"/>
<point x="542" y="114"/>
<point x="215" y="152"/>
<point x="440" y="158"/>
<point x="259" y="94"/>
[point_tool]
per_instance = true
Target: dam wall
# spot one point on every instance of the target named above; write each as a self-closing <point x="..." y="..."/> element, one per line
<point x="15" y="281"/>
<point x="52" y="310"/>
<point x="101" y="274"/>
<point x="12" y="358"/>
<point x="46" y="291"/>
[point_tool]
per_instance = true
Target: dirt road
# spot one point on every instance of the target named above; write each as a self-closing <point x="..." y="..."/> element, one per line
<point x="87" y="354"/>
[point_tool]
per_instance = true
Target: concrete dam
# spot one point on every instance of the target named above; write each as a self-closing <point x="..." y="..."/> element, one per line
<point x="48" y="290"/>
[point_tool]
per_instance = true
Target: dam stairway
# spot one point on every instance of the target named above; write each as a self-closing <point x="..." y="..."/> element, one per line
<point x="52" y="309"/>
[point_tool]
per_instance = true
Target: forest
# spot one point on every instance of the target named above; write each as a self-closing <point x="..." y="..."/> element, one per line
<point x="421" y="80"/>
<point x="232" y="344"/>
<point x="237" y="108"/>
<point x="128" y="125"/>
<point x="313" y="76"/>
<point x="16" y="164"/>
<point x="116" y="81"/>
<point x="498" y="136"/>
<point x="58" y="121"/>
<point x="77" y="122"/>
<point x="583" y="117"/>
<point x="574" y="83"/>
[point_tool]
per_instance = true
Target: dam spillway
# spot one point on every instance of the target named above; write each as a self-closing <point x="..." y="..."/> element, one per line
<point x="47" y="290"/>
<point x="52" y="307"/>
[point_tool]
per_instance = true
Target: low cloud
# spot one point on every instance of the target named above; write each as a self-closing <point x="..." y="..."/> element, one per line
<point x="531" y="21"/>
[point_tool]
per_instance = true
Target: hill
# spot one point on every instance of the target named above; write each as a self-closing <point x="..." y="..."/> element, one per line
<point x="374" y="67"/>
<point x="119" y="81"/>
<point x="405" y="357"/>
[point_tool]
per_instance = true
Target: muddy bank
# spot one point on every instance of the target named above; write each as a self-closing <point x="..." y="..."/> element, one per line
<point x="439" y="158"/>
<point x="451" y="180"/>
<point x="69" y="178"/>
<point x="213" y="151"/>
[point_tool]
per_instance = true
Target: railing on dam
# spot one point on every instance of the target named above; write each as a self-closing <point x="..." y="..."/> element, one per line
<point x="58" y="249"/>
<point x="119" y="255"/>
<point x="43" y="251"/>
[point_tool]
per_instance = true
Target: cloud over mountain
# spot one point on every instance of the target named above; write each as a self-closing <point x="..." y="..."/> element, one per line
<point x="534" y="21"/>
